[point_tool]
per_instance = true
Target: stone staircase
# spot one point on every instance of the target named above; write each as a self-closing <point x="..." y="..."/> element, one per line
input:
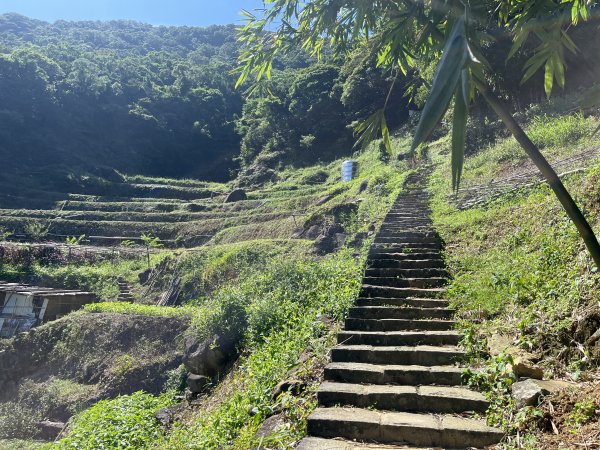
<point x="394" y="380"/>
<point x="125" y="294"/>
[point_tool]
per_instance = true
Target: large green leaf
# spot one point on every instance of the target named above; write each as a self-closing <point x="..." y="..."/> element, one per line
<point x="456" y="54"/>
<point x="459" y="128"/>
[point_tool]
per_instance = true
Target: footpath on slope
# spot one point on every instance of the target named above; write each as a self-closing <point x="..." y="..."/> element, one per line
<point x="394" y="380"/>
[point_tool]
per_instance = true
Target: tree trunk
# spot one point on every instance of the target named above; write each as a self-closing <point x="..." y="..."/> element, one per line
<point x="573" y="211"/>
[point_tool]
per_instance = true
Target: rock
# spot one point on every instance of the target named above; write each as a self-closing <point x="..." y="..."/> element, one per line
<point x="194" y="207"/>
<point x="271" y="425"/>
<point x="165" y="416"/>
<point x="526" y="393"/>
<point x="294" y="386"/>
<point x="525" y="369"/>
<point x="144" y="276"/>
<point x="363" y="186"/>
<point x="323" y="200"/>
<point x="552" y="386"/>
<point x="49" y="430"/>
<point x="313" y="232"/>
<point x="198" y="383"/>
<point x="207" y="357"/>
<point x="339" y="239"/>
<point x="324" y="244"/>
<point x="237" y="195"/>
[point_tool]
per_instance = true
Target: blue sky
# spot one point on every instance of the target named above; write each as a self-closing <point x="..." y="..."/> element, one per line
<point x="157" y="12"/>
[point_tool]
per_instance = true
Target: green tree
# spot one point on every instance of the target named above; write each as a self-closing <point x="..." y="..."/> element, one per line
<point x="402" y="32"/>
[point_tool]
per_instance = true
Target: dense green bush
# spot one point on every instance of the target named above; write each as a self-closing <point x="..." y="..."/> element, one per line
<point x="126" y="422"/>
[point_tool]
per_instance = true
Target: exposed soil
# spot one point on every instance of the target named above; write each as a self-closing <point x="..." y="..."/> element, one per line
<point x="559" y="431"/>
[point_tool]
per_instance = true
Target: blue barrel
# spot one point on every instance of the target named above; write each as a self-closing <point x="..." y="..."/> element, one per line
<point x="349" y="170"/>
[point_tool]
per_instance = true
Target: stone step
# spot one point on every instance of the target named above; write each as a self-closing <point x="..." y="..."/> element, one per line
<point x="429" y="399"/>
<point x="411" y="302"/>
<point x="399" y="427"/>
<point x="398" y="325"/>
<point x="420" y="355"/>
<point x="368" y="290"/>
<point x="395" y="338"/>
<point x="390" y="238"/>
<point x="407" y="273"/>
<point x="397" y="312"/>
<point x="404" y="256"/>
<point x="311" y="443"/>
<point x="410" y="234"/>
<point x="406" y="264"/>
<point x="349" y="372"/>
<point x="402" y="246"/>
<point x="428" y="282"/>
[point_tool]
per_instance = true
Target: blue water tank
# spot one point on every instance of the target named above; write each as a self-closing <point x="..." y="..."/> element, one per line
<point x="349" y="170"/>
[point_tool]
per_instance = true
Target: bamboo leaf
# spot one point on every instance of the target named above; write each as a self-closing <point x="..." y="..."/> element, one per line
<point x="444" y="82"/>
<point x="459" y="128"/>
<point x="549" y="77"/>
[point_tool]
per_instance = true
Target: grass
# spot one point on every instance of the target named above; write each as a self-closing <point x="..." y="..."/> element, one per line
<point x="137" y="309"/>
<point x="519" y="267"/>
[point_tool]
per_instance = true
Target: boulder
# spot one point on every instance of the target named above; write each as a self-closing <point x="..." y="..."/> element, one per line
<point x="525" y="369"/>
<point x="313" y="232"/>
<point x="363" y="186"/>
<point x="144" y="276"/>
<point x="49" y="430"/>
<point x="165" y="416"/>
<point x="323" y="200"/>
<point x="294" y="386"/>
<point x="209" y="356"/>
<point x="237" y="195"/>
<point x="270" y="426"/>
<point x="526" y="393"/>
<point x="198" y="383"/>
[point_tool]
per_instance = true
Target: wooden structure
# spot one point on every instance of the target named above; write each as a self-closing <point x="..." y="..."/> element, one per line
<point x="23" y="307"/>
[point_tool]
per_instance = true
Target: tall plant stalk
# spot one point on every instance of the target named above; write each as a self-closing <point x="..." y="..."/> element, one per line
<point x="554" y="181"/>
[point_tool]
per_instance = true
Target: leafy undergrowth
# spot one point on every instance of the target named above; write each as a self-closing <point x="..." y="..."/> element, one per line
<point x="523" y="281"/>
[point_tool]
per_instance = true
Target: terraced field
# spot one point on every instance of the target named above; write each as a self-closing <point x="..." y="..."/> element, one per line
<point x="183" y="213"/>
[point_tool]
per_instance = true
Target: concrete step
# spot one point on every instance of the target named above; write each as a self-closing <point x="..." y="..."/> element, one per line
<point x="400" y="257"/>
<point x="427" y="282"/>
<point x="411" y="302"/>
<point x="407" y="273"/>
<point x="401" y="239"/>
<point x="405" y="264"/>
<point x="402" y="246"/>
<point x="349" y="372"/>
<point x="400" y="427"/>
<point x="420" y="355"/>
<point x="311" y="443"/>
<point x="397" y="312"/>
<point x="404" y="256"/>
<point x="430" y="399"/>
<point x="398" y="338"/>
<point x="409" y="234"/>
<point x="398" y="325"/>
<point x="368" y="290"/>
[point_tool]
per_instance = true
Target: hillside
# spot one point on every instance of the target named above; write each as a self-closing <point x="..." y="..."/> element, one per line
<point x="89" y="98"/>
<point x="245" y="295"/>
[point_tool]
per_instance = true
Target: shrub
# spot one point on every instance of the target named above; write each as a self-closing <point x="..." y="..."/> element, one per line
<point x="126" y="422"/>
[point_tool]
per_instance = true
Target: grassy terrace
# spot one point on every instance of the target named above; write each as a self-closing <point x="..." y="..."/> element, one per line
<point x="183" y="209"/>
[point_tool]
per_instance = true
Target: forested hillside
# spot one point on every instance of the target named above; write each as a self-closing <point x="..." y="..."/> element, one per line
<point x="88" y="96"/>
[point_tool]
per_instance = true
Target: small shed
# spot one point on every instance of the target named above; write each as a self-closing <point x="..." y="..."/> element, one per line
<point x="23" y="307"/>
